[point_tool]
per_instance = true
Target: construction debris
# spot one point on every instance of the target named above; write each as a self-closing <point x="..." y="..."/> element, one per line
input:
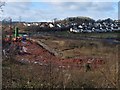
<point x="42" y="56"/>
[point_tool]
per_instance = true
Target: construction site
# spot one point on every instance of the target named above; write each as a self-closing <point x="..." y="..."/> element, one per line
<point x="49" y="61"/>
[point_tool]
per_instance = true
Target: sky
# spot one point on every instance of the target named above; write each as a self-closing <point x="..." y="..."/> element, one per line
<point x="37" y="11"/>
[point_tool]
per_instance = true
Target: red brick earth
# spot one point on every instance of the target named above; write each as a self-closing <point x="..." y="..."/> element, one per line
<point x="38" y="55"/>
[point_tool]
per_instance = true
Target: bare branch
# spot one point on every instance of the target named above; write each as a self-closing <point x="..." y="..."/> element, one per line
<point x="1" y="5"/>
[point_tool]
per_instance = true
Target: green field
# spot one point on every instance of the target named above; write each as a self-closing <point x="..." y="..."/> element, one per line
<point x="95" y="35"/>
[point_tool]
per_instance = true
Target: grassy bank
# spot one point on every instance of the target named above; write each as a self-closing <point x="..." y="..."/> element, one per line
<point x="19" y="75"/>
<point x="88" y="35"/>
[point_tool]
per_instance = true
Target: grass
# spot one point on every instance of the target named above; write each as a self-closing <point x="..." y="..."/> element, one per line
<point x="35" y="76"/>
<point x="38" y="77"/>
<point x="94" y="34"/>
<point x="71" y="48"/>
<point x="18" y="75"/>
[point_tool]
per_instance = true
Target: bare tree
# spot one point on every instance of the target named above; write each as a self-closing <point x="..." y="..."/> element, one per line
<point x="1" y="5"/>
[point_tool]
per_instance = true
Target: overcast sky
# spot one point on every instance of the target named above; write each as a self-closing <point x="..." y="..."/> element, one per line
<point x="47" y="11"/>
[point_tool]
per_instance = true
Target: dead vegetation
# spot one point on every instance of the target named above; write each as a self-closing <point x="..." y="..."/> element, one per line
<point x="55" y="75"/>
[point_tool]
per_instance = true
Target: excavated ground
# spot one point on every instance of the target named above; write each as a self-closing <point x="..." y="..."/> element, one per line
<point x="38" y="55"/>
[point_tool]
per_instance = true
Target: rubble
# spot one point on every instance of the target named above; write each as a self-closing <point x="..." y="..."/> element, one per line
<point x="41" y="56"/>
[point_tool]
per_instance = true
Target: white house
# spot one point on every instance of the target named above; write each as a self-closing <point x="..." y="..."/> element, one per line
<point x="51" y="25"/>
<point x="59" y="25"/>
<point x="74" y="30"/>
